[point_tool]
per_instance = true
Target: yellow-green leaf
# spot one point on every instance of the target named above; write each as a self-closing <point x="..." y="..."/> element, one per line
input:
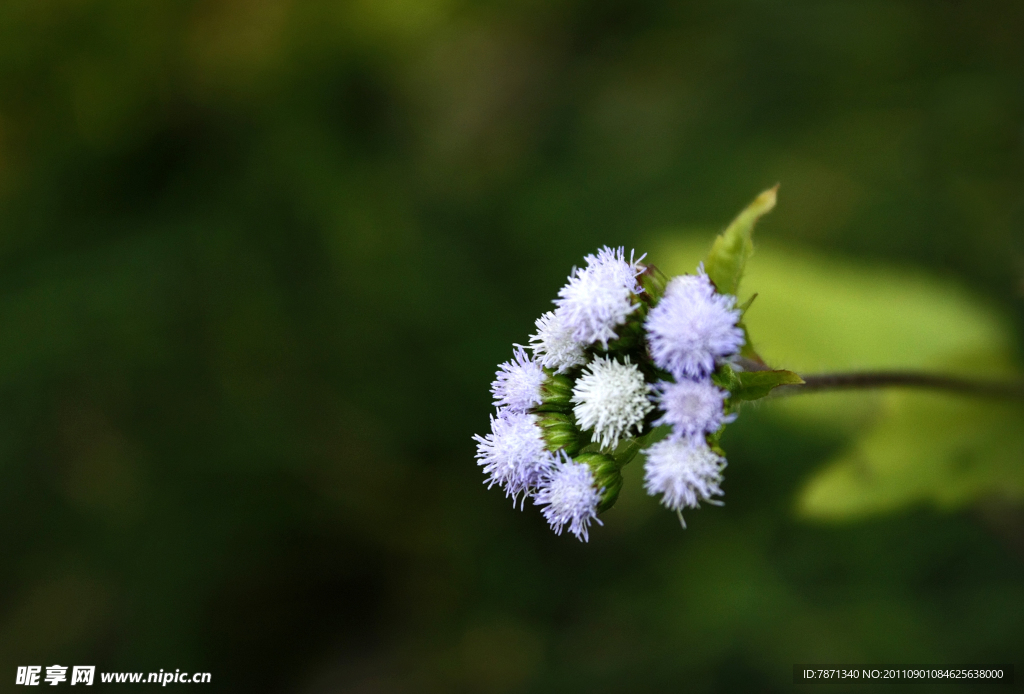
<point x="754" y="385"/>
<point x="735" y="245"/>
<point x="929" y="448"/>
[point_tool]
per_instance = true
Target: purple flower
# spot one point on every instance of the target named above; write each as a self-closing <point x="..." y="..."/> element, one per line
<point x="513" y="454"/>
<point x="692" y="326"/>
<point x="599" y="297"/>
<point x="684" y="473"/>
<point x="553" y="345"/>
<point x="693" y="408"/>
<point x="568" y="496"/>
<point x="517" y="382"/>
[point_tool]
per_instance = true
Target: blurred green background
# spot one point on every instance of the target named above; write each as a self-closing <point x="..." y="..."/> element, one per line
<point x="260" y="258"/>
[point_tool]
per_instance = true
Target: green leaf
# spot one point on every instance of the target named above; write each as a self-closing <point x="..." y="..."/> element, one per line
<point x="734" y="246"/>
<point x="754" y="385"/>
<point x="928" y="448"/>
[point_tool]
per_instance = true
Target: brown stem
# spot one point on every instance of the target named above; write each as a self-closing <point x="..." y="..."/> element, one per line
<point x="904" y="379"/>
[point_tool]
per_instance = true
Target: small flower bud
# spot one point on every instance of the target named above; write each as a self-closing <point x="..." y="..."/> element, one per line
<point x="559" y="431"/>
<point x="607" y="477"/>
<point x="555" y="393"/>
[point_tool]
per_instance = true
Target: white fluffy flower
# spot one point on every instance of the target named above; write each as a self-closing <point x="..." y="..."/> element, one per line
<point x="693" y="408"/>
<point x="517" y="382"/>
<point x="568" y="496"/>
<point x="553" y="345"/>
<point x="692" y="326"/>
<point x="610" y="398"/>
<point x="599" y="297"/>
<point x="683" y="472"/>
<point x="513" y="454"/>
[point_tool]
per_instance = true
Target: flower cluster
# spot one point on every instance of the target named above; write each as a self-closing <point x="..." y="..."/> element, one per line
<point x="625" y="353"/>
<point x="690" y="332"/>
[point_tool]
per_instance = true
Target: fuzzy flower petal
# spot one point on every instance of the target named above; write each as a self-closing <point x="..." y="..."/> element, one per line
<point x="692" y="326"/>
<point x="683" y="472"/>
<point x="513" y="454"/>
<point x="611" y="398"/>
<point x="693" y="408"/>
<point x="599" y="297"/>
<point x="568" y="496"/>
<point x="553" y="345"/>
<point x="517" y="383"/>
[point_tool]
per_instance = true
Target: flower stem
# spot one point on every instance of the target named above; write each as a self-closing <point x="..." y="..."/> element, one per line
<point x="814" y="383"/>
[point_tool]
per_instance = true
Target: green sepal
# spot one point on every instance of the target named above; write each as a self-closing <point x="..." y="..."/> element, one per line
<point x="556" y="393"/>
<point x="735" y="245"/>
<point x="754" y="385"/>
<point x="746" y="304"/>
<point x="726" y="378"/>
<point x="747" y="351"/>
<point x="653" y="281"/>
<point x="559" y="431"/>
<point x="629" y="337"/>
<point x="627" y="450"/>
<point x="715" y="448"/>
<point x="607" y="476"/>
